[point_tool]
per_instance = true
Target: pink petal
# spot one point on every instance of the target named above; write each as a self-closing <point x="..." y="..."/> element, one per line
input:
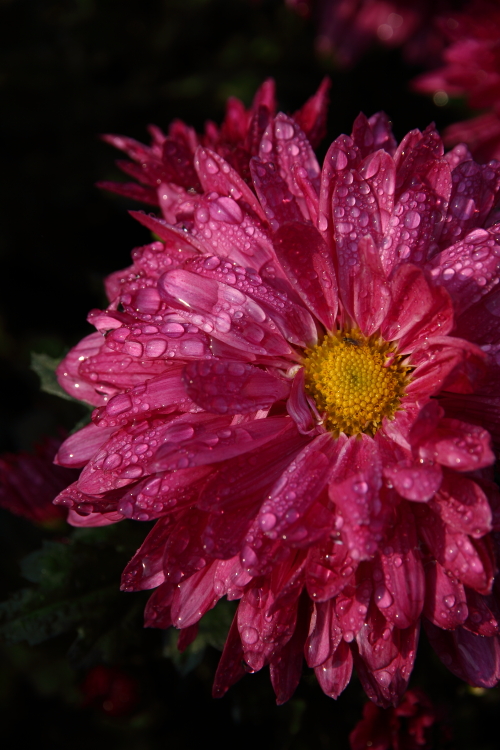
<point x="462" y="505"/>
<point x="324" y="634"/>
<point x="417" y="311"/>
<point x="194" y="597"/>
<point x="262" y="634"/>
<point x="230" y="668"/>
<point x="163" y="395"/>
<point x="306" y="259"/>
<point x="469" y="268"/>
<point x="384" y="679"/>
<point x="157" y="612"/>
<point x="484" y="614"/>
<point x="474" y="192"/>
<point x="232" y="387"/>
<point x="82" y="445"/>
<point x="130" y="190"/>
<point x="311" y="117"/>
<point x="399" y="593"/>
<point x="68" y="371"/>
<point x="446" y="363"/>
<point x="285" y="145"/>
<point x="480" y="322"/>
<point x="217" y="176"/>
<point x="298" y="488"/>
<point x="470" y="657"/>
<point x="286" y="669"/>
<point x="93" y="519"/>
<point x="329" y="569"/>
<point x="366" y="294"/>
<point x="458" y="445"/>
<point x="342" y="154"/>
<point x="335" y="673"/>
<point x="465" y="559"/>
<point x="373" y="134"/>
<point x="278" y="202"/>
<point x="414" y="481"/>
<point x="351" y="604"/>
<point x="224" y="312"/>
<point x="445" y="600"/>
<point x="292" y="319"/>
<point x="224" y="229"/>
<point x="145" y="569"/>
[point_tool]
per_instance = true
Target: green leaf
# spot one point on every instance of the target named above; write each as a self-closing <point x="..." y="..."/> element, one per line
<point x="45" y="368"/>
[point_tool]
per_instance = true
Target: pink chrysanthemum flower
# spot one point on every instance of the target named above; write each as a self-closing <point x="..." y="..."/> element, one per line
<point x="299" y="381"/>
<point x="472" y="69"/>
<point x="346" y="28"/>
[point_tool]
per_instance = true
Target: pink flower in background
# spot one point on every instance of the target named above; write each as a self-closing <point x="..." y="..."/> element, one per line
<point x="346" y="28"/>
<point x="299" y="381"/>
<point x="472" y="69"/>
<point x="165" y="170"/>
<point x="406" y="727"/>
<point x="29" y="482"/>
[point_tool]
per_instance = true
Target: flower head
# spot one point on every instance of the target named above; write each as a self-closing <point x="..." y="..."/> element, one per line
<point x="346" y="28"/>
<point x="471" y="69"/>
<point x="30" y="481"/>
<point x="298" y="380"/>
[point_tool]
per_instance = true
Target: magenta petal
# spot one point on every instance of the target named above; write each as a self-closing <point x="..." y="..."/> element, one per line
<point x="469" y="268"/>
<point x="230" y="668"/>
<point x="285" y="145"/>
<point x="342" y="154"/>
<point x="417" y="310"/>
<point x="299" y="407"/>
<point x="306" y="259"/>
<point x="93" y="519"/>
<point x="311" y="117"/>
<point x="225" y="229"/>
<point x="399" y="594"/>
<point x="82" y="445"/>
<point x="471" y="657"/>
<point x="458" y="445"/>
<point x="262" y="634"/>
<point x="157" y="612"/>
<point x="164" y="394"/>
<point x="286" y="669"/>
<point x="385" y="679"/>
<point x="365" y="292"/>
<point x="463" y="505"/>
<point x="415" y="481"/>
<point x="217" y="176"/>
<point x="145" y="569"/>
<point x="474" y="192"/>
<point x="352" y="604"/>
<point x="463" y="558"/>
<point x="445" y="600"/>
<point x="232" y="387"/>
<point x="68" y="372"/>
<point x="292" y="319"/>
<point x="130" y="190"/>
<point x="224" y="312"/>
<point x="194" y="597"/>
<point x="298" y="488"/>
<point x="324" y="634"/>
<point x="373" y="134"/>
<point x="484" y="614"/>
<point x="278" y="202"/>
<point x="334" y="674"/>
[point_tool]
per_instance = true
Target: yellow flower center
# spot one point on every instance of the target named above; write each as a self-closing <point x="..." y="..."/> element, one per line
<point x="355" y="381"/>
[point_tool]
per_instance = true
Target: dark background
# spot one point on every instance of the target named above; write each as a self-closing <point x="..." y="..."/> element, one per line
<point x="70" y="70"/>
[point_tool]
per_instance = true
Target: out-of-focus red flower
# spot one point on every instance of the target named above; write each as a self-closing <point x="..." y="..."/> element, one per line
<point x="30" y="482"/>
<point x="406" y="727"/>
<point x="112" y="690"/>
<point x="299" y="380"/>
<point x="472" y="69"/>
<point x="346" y="28"/>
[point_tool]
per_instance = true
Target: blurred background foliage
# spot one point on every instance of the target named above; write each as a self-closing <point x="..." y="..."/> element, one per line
<point x="77" y="665"/>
